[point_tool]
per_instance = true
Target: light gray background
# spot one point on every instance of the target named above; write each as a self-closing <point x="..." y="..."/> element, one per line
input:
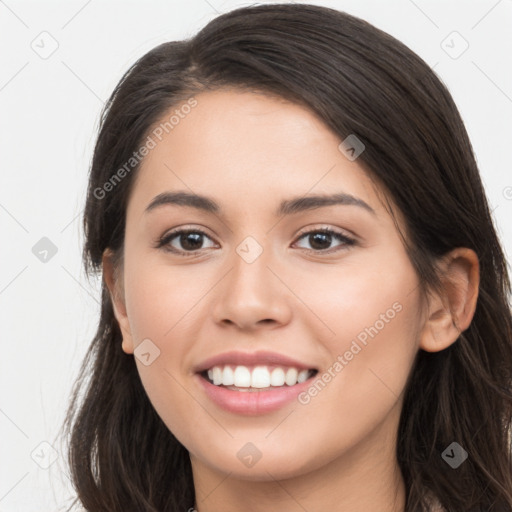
<point x="50" y="108"/>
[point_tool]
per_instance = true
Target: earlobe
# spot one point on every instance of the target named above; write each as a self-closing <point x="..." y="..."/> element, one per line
<point x="115" y="288"/>
<point x="451" y="311"/>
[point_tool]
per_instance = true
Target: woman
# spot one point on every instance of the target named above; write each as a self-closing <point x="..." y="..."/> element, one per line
<point x="305" y="302"/>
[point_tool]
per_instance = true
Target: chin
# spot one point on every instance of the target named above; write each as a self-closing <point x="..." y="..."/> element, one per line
<point x="269" y="467"/>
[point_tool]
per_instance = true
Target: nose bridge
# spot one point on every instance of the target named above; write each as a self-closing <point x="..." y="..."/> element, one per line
<point x="251" y="275"/>
<point x="251" y="292"/>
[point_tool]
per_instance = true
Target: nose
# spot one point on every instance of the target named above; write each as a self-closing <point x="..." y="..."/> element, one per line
<point x="253" y="295"/>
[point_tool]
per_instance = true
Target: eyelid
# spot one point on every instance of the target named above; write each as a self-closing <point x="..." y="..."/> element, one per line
<point x="326" y="227"/>
<point x="162" y="241"/>
<point x="347" y="240"/>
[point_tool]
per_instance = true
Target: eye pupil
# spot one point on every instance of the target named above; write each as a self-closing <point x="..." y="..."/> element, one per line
<point x="196" y="243"/>
<point x="319" y="237"/>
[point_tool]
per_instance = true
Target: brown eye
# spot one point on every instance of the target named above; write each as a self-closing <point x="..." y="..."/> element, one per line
<point x="321" y="239"/>
<point x="188" y="241"/>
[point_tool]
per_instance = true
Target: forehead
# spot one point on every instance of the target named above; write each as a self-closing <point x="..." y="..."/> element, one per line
<point x="249" y="150"/>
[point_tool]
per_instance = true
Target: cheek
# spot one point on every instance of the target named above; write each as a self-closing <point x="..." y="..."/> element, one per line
<point x="161" y="299"/>
<point x="374" y="315"/>
<point x="358" y="297"/>
<point x="163" y="304"/>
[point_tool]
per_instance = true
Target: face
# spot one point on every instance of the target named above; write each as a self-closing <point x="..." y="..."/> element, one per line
<point x="261" y="287"/>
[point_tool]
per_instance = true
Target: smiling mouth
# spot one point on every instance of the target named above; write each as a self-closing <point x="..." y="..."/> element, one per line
<point x="256" y="378"/>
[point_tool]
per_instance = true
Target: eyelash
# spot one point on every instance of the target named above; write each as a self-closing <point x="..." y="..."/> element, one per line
<point x="164" y="241"/>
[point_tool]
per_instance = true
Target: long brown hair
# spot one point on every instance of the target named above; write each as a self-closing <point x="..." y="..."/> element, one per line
<point x="358" y="80"/>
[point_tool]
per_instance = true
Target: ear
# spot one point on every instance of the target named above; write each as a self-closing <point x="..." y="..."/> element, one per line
<point x="451" y="311"/>
<point x="116" y="290"/>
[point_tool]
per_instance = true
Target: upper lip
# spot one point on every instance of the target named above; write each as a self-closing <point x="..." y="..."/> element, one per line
<point x="261" y="357"/>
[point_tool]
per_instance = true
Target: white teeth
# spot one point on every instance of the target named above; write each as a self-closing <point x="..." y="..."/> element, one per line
<point x="228" y="378"/>
<point x="291" y="376"/>
<point x="277" y="377"/>
<point x="258" y="377"/>
<point x="242" y="377"/>
<point x="303" y="375"/>
<point x="217" y="375"/>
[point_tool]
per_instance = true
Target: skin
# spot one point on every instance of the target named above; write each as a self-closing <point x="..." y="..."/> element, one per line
<point x="249" y="152"/>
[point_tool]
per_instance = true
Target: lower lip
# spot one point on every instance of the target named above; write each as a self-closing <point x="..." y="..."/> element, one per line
<point x="252" y="402"/>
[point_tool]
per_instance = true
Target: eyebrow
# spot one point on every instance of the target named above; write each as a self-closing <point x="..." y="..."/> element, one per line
<point x="287" y="207"/>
